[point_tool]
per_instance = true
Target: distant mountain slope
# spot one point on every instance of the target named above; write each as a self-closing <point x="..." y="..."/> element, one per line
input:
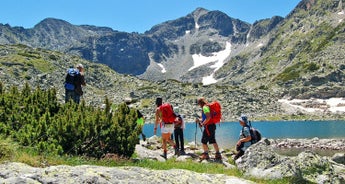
<point x="167" y="46"/>
<point x="20" y="64"/>
<point x="303" y="57"/>
<point x="299" y="56"/>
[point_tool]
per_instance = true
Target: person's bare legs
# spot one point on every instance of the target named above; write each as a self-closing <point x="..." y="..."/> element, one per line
<point x="166" y="139"/>
<point x="205" y="147"/>
<point x="216" y="148"/>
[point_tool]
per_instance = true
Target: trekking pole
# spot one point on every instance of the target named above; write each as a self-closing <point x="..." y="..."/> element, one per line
<point x="197" y="116"/>
<point x="196" y="126"/>
<point x="195" y="133"/>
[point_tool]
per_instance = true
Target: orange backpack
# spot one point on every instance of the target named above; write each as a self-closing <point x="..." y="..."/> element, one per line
<point x="216" y="112"/>
<point x="168" y="115"/>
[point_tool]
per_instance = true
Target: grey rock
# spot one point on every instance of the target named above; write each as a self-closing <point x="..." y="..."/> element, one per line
<point x="261" y="160"/>
<point x="339" y="158"/>
<point x="22" y="173"/>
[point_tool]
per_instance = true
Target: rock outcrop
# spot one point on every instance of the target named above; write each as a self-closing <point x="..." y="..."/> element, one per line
<point x="22" y="173"/>
<point x="261" y="160"/>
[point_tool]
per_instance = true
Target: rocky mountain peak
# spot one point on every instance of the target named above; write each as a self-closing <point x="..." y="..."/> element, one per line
<point x="53" y="23"/>
<point x="199" y="12"/>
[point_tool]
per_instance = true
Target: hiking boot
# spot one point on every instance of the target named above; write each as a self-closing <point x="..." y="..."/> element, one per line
<point x="204" y="156"/>
<point x="182" y="152"/>
<point x="177" y="152"/>
<point x="144" y="138"/>
<point x="164" y="155"/>
<point x="218" y="156"/>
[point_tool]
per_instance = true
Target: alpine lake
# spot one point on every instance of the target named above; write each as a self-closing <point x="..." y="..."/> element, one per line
<point x="227" y="133"/>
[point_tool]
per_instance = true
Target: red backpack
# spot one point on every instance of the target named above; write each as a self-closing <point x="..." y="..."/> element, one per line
<point x="168" y="115"/>
<point x="215" y="111"/>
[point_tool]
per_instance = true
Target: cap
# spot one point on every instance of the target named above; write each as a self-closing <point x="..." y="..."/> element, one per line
<point x="176" y="109"/>
<point x="243" y="118"/>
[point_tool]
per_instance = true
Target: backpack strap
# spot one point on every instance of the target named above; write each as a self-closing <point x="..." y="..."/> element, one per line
<point x="250" y="132"/>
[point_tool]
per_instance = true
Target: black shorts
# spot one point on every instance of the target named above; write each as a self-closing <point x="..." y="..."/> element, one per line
<point x="209" y="134"/>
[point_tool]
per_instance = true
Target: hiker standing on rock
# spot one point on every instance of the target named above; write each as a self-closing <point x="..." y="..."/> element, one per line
<point x="165" y="116"/>
<point x="209" y="133"/>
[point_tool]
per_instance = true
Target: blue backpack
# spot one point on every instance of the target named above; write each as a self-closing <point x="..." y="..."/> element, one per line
<point x="71" y="79"/>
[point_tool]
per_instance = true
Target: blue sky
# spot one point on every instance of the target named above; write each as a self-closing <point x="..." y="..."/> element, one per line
<point x="133" y="15"/>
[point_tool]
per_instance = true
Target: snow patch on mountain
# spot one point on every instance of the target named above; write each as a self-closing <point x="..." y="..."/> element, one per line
<point x="333" y="105"/>
<point x="163" y="68"/>
<point x="218" y="58"/>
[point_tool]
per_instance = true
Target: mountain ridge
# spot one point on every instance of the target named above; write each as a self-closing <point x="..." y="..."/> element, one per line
<point x="298" y="56"/>
<point x="157" y="44"/>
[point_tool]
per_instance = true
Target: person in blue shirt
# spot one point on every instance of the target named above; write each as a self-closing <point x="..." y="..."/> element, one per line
<point x="245" y="137"/>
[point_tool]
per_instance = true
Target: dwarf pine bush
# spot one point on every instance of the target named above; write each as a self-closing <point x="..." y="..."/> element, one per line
<point x="34" y="118"/>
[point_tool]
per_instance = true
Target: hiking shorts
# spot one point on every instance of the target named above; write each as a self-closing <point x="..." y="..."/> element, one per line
<point x="167" y="128"/>
<point x="209" y="134"/>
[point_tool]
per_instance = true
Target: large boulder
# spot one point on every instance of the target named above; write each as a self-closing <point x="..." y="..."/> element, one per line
<point x="261" y="161"/>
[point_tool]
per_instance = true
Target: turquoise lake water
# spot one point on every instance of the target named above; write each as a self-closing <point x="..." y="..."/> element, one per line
<point x="227" y="133"/>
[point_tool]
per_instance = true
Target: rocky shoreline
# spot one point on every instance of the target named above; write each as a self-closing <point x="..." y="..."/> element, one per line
<point x="261" y="160"/>
<point x="315" y="143"/>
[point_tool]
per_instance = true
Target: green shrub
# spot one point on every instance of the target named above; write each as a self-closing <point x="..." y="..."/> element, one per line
<point x="34" y="118"/>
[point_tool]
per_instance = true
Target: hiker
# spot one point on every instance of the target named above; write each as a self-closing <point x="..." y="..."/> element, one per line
<point x="178" y="132"/>
<point x="165" y="116"/>
<point x="209" y="133"/>
<point x="140" y="120"/>
<point x="245" y="138"/>
<point x="73" y="83"/>
<point x="69" y="84"/>
<point x="79" y="83"/>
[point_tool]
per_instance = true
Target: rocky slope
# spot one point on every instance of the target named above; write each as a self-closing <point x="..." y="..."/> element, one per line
<point x="46" y="69"/>
<point x="303" y="56"/>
